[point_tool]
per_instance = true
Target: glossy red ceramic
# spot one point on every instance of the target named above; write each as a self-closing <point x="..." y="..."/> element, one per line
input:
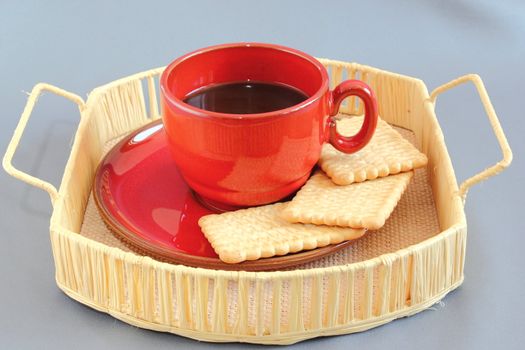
<point x="254" y="159"/>
<point x="141" y="194"/>
<point x="143" y="199"/>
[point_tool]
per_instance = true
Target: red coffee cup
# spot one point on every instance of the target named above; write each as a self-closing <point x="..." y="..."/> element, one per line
<point x="233" y="160"/>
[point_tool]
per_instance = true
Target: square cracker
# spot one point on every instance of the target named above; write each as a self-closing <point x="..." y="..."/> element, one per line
<point x="360" y="205"/>
<point x="387" y="153"/>
<point x="261" y="232"/>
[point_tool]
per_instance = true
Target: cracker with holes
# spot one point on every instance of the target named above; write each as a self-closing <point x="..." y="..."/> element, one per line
<point x="359" y="205"/>
<point x="387" y="153"/>
<point x="261" y="232"/>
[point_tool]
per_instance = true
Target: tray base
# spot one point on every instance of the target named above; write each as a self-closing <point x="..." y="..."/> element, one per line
<point x="413" y="221"/>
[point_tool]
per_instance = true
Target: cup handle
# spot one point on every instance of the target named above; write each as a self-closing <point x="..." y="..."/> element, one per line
<point x="351" y="144"/>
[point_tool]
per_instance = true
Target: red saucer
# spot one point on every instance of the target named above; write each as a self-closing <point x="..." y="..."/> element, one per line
<point x="143" y="199"/>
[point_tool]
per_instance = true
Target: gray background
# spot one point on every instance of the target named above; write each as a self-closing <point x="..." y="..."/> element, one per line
<point x="78" y="46"/>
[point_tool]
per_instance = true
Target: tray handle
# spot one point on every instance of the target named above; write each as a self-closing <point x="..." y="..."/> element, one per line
<point x="494" y="122"/>
<point x="17" y="135"/>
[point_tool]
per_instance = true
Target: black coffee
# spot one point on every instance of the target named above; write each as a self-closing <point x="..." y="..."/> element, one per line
<point x="245" y="97"/>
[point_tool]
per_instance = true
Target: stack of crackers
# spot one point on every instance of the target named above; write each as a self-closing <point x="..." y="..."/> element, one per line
<point x="348" y="195"/>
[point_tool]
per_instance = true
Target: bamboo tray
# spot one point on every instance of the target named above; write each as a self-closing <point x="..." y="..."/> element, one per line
<point x="404" y="268"/>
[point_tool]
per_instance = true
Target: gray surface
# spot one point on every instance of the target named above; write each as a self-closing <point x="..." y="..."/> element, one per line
<point x="79" y="47"/>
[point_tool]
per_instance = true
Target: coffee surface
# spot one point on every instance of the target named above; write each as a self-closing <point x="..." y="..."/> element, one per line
<point x="247" y="97"/>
